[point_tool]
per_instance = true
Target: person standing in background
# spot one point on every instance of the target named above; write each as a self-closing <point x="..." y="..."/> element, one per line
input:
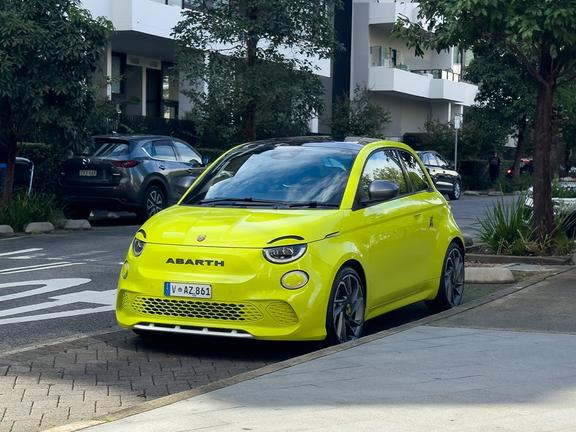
<point x="494" y="167"/>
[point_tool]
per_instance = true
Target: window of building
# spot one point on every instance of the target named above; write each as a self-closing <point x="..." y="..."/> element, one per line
<point x="117" y="73"/>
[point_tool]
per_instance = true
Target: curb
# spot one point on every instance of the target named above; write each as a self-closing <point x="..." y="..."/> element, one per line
<point x="488" y="275"/>
<point x="6" y="231"/>
<point x="217" y="385"/>
<point x="511" y="259"/>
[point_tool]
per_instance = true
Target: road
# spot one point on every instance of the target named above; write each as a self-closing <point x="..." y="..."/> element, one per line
<point x="63" y="284"/>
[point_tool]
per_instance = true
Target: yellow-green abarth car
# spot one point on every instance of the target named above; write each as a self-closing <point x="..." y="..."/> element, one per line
<point x="295" y="239"/>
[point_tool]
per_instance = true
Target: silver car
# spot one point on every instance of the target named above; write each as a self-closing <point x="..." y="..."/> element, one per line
<point x="137" y="173"/>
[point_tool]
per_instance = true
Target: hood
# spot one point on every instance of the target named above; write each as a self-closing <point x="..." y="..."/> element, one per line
<point x="239" y="227"/>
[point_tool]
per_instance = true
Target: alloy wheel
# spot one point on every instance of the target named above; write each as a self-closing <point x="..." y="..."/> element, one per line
<point x="454" y="277"/>
<point x="154" y="202"/>
<point x="348" y="308"/>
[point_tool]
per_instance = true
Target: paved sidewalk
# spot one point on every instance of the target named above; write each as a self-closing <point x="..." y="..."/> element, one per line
<point x="508" y="365"/>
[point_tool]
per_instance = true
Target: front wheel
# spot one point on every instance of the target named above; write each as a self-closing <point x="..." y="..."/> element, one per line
<point x="451" y="290"/>
<point x="456" y="191"/>
<point x="346" y="307"/>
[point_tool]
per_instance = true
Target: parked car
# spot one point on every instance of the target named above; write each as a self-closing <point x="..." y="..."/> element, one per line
<point x="294" y="239"/>
<point x="446" y="179"/>
<point x="23" y="175"/>
<point x="526" y="167"/>
<point x="138" y="173"/>
<point x="563" y="200"/>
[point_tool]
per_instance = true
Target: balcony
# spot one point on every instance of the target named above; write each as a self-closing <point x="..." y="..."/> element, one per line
<point x="436" y="85"/>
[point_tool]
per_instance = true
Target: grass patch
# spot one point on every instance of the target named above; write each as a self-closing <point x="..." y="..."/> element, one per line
<point x="24" y="209"/>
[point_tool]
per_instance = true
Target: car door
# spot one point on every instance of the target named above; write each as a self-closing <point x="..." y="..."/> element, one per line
<point x="434" y="169"/>
<point x="193" y="161"/>
<point x="447" y="176"/>
<point x="385" y="231"/>
<point x="426" y="206"/>
<point x="169" y="167"/>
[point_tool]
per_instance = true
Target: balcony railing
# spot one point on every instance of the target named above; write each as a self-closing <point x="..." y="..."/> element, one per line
<point x="180" y="3"/>
<point x="439" y="74"/>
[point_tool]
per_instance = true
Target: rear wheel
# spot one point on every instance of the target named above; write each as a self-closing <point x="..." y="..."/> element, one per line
<point x="451" y="290"/>
<point x="456" y="191"/>
<point x="76" y="212"/>
<point x="346" y="307"/>
<point x="154" y="202"/>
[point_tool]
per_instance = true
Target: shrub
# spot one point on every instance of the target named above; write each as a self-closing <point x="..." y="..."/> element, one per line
<point x="24" y="209"/>
<point x="560" y="191"/>
<point x="46" y="159"/>
<point x="508" y="230"/>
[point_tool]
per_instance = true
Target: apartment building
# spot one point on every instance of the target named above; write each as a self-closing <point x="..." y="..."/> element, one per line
<point x="142" y="53"/>
<point x="413" y="89"/>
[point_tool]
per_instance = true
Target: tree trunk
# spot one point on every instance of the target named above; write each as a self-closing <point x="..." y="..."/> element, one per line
<point x="12" y="142"/>
<point x="251" y="53"/>
<point x="519" y="147"/>
<point x="543" y="210"/>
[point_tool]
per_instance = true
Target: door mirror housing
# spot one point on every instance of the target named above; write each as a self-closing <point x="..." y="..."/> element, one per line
<point x="195" y="163"/>
<point x="206" y="160"/>
<point x="382" y="190"/>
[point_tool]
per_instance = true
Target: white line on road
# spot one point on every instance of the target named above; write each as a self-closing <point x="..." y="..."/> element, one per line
<point x="44" y="267"/>
<point x="56" y="315"/>
<point x="49" y="285"/>
<point x="19" y="252"/>
<point x="33" y="266"/>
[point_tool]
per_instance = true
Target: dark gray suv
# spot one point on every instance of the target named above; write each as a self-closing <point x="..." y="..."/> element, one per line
<point x="136" y="173"/>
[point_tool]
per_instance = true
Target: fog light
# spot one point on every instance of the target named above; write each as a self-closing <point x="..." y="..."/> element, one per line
<point x="125" y="270"/>
<point x="294" y="279"/>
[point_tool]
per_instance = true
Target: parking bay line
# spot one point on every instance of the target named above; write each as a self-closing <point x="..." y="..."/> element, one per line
<point x="27" y="269"/>
<point x="20" y="252"/>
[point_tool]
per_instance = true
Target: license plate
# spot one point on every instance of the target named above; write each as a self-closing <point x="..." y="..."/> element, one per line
<point x="192" y="290"/>
<point x="88" y="173"/>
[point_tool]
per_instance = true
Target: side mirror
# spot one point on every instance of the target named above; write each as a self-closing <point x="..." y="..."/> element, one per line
<point x="383" y="190"/>
<point x="206" y="160"/>
<point x="195" y="163"/>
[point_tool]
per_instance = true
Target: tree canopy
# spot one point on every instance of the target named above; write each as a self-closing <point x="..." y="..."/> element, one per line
<point x="539" y="34"/>
<point x="251" y="64"/>
<point x="49" y="51"/>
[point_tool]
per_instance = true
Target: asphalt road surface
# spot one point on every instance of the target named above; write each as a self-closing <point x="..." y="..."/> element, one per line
<point x="63" y="285"/>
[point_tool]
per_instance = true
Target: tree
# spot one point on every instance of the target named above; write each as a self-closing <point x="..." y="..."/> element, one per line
<point x="250" y="62"/>
<point x="539" y="34"/>
<point x="506" y="92"/>
<point x="49" y="50"/>
<point x="358" y="117"/>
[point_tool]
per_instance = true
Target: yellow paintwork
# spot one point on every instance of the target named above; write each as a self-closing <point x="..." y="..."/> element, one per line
<point x="399" y="244"/>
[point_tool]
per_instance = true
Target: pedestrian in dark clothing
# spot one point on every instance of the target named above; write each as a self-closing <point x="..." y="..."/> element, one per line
<point x="494" y="167"/>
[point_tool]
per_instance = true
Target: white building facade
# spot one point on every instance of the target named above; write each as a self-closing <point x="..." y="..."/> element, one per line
<point x="141" y="55"/>
<point x="413" y="89"/>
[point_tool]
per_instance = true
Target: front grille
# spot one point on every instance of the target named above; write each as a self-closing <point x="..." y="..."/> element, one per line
<point x="283" y="313"/>
<point x="196" y="309"/>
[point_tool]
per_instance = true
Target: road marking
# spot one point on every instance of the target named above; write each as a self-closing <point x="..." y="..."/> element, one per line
<point x="55" y="315"/>
<point x="20" y="252"/>
<point x="45" y="267"/>
<point x="105" y="299"/>
<point x="32" y="266"/>
<point x="49" y="285"/>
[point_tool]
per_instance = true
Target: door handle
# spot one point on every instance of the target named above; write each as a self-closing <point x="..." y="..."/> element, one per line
<point x="190" y="170"/>
<point x="417" y="215"/>
<point x="162" y="167"/>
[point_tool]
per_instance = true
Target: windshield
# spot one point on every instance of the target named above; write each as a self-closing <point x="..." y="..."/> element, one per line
<point x="309" y="175"/>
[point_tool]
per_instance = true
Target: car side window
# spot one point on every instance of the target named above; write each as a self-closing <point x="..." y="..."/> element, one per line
<point x="415" y="172"/>
<point x="187" y="154"/>
<point x="163" y="150"/>
<point x="382" y="165"/>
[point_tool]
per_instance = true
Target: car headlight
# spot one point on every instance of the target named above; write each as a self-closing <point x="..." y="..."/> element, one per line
<point x="138" y="247"/>
<point x="284" y="254"/>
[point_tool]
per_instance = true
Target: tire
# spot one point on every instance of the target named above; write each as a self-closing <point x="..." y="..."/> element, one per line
<point x="456" y="191"/>
<point x="451" y="289"/>
<point x="153" y="202"/>
<point x="76" y="212"/>
<point x="346" y="307"/>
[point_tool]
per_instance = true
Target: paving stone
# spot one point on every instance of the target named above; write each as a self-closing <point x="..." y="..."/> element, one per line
<point x="25" y="425"/>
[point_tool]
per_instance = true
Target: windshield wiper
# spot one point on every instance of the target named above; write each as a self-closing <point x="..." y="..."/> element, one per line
<point x="234" y="201"/>
<point x="312" y="204"/>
